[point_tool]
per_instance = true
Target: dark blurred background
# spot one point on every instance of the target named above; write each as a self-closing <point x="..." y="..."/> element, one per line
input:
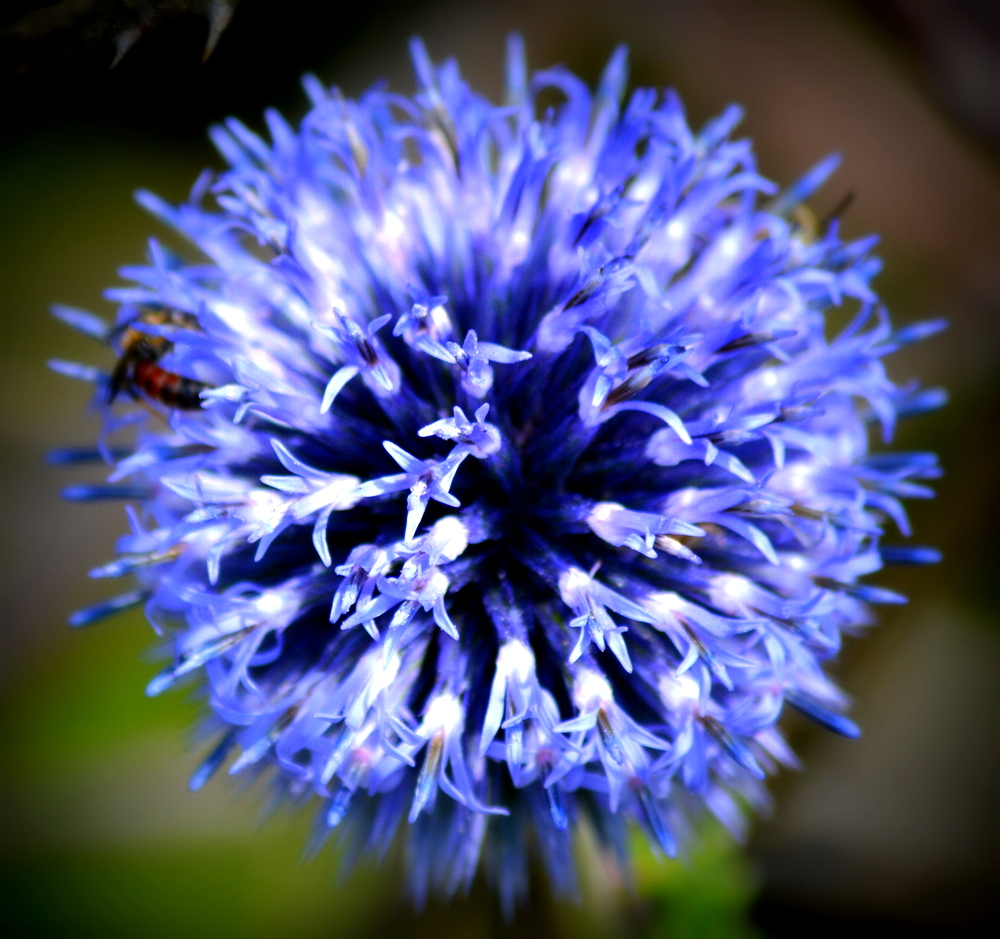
<point x="98" y="834"/>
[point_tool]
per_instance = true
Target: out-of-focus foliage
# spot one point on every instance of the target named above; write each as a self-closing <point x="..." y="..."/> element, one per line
<point x="707" y="895"/>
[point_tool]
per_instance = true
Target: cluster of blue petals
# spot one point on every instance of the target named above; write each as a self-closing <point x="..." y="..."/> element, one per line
<point x="531" y="478"/>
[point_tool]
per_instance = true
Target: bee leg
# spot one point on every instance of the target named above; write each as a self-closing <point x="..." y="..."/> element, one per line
<point x="118" y="380"/>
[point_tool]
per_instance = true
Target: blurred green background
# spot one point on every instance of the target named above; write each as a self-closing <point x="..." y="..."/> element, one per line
<point x="98" y="833"/>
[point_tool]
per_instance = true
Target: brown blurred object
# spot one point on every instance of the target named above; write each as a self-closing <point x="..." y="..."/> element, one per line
<point x="954" y="47"/>
<point x="69" y="28"/>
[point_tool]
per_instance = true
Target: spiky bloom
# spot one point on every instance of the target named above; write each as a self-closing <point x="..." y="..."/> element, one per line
<point x="529" y="482"/>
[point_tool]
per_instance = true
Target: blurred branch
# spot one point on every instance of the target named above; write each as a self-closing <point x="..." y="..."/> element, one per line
<point x="954" y="46"/>
<point x="71" y="27"/>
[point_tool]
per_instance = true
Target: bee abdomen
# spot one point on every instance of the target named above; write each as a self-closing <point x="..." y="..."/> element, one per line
<point x="168" y="388"/>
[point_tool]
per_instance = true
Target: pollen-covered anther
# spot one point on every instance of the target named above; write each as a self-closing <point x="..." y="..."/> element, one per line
<point x="582" y="594"/>
<point x="514" y="694"/>
<point x="636" y="530"/>
<point x="427" y="326"/>
<point x="476" y="436"/>
<point x="643" y="372"/>
<point x="473" y="358"/>
<point x="196" y="657"/>
<point x="422" y="586"/>
<point x="677" y="548"/>
<point x="130" y="563"/>
<point x="364" y="565"/>
<point x="364" y="355"/>
<point x="602" y="725"/>
<point x="444" y="764"/>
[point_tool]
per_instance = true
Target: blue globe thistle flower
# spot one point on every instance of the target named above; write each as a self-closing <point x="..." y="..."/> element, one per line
<point x="500" y="471"/>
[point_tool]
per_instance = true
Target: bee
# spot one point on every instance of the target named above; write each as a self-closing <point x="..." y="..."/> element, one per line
<point x="138" y="369"/>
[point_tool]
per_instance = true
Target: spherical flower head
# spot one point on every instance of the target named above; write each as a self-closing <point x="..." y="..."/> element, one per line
<point x="498" y="471"/>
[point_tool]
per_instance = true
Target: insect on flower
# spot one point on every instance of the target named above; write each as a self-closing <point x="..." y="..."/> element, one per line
<point x="530" y="482"/>
<point x="138" y="367"/>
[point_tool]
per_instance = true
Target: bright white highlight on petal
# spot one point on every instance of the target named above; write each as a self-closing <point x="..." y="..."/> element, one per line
<point x="271" y="603"/>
